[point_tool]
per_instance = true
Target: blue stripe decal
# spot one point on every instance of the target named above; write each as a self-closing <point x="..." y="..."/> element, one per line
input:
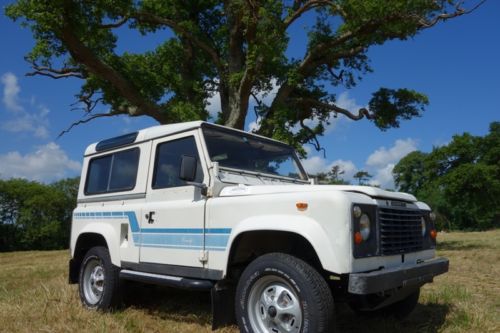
<point x="214" y="239"/>
<point x="134" y="225"/>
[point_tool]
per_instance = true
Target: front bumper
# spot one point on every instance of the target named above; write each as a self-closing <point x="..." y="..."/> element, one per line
<point x="392" y="278"/>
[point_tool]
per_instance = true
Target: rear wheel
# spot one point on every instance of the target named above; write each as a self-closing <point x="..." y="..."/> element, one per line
<point x="99" y="281"/>
<point x="279" y="293"/>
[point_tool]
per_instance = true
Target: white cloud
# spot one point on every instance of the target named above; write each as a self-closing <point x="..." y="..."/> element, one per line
<point x="347" y="166"/>
<point x="254" y="125"/>
<point x="345" y="102"/>
<point x="382" y="161"/>
<point x="317" y="164"/>
<point x="383" y="156"/>
<point x="48" y="163"/>
<point x="11" y="92"/>
<point x="383" y="177"/>
<point x="35" y="122"/>
<point x="379" y="164"/>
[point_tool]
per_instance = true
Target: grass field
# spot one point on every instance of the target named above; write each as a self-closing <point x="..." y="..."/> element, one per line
<point x="35" y="297"/>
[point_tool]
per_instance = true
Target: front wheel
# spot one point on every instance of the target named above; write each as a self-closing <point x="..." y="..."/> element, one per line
<point x="99" y="280"/>
<point x="279" y="293"/>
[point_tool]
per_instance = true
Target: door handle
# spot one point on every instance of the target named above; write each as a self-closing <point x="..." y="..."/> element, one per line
<point x="150" y="218"/>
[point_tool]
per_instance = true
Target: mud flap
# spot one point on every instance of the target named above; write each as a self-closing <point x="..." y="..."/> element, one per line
<point x="223" y="294"/>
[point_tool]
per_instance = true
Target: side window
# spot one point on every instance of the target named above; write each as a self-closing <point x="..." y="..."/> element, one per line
<point x="168" y="162"/>
<point x="112" y="173"/>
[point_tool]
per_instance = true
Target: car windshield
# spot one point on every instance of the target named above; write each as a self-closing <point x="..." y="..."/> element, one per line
<point x="246" y="152"/>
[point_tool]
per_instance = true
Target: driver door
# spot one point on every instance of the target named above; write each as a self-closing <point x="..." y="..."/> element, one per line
<point x="172" y="226"/>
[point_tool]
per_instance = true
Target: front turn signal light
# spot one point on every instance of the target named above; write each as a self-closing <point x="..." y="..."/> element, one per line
<point x="433" y="234"/>
<point x="358" y="238"/>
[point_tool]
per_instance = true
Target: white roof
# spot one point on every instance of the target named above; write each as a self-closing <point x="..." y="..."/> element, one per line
<point x="165" y="130"/>
<point x="154" y="132"/>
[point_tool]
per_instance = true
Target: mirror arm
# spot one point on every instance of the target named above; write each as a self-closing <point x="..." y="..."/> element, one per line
<point x="202" y="186"/>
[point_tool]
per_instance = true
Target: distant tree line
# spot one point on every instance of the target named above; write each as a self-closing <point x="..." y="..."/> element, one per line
<point x="460" y="181"/>
<point x="36" y="216"/>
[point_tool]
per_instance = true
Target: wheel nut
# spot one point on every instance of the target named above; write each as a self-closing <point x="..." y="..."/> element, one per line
<point x="272" y="311"/>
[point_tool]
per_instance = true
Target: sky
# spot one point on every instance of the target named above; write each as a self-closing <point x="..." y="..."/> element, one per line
<point x="456" y="63"/>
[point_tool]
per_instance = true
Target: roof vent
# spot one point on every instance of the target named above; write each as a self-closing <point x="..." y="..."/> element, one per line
<point x="117" y="141"/>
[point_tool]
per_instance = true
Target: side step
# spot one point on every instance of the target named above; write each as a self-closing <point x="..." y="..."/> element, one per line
<point x="166" y="280"/>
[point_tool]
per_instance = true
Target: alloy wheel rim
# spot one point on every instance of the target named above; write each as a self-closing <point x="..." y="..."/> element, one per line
<point x="93" y="281"/>
<point x="274" y="306"/>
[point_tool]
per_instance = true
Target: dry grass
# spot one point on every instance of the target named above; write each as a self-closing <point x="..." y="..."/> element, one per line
<point x="35" y="297"/>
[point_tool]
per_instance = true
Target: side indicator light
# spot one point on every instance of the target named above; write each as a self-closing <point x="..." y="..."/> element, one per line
<point x="301" y="206"/>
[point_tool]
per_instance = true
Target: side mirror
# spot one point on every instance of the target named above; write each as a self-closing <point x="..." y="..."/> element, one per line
<point x="188" y="168"/>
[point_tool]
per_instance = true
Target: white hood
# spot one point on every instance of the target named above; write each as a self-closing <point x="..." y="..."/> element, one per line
<point x="273" y="189"/>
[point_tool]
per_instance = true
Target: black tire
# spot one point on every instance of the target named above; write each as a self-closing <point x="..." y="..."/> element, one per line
<point x="99" y="282"/>
<point x="300" y="285"/>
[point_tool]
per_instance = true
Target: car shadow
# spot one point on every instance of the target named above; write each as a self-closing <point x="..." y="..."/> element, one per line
<point x="195" y="307"/>
<point x="169" y="303"/>
<point x="425" y="318"/>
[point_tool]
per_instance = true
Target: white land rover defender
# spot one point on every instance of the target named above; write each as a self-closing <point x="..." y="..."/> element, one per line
<point x="201" y="206"/>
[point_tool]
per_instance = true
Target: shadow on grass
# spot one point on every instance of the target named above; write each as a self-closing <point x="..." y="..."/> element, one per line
<point x="169" y="303"/>
<point x="194" y="307"/>
<point x="459" y="246"/>
<point x="427" y="318"/>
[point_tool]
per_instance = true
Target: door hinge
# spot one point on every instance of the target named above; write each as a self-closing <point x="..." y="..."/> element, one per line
<point x="203" y="256"/>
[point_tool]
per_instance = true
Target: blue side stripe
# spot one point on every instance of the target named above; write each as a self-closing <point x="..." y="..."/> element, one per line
<point x="134" y="225"/>
<point x="186" y="230"/>
<point x="176" y="238"/>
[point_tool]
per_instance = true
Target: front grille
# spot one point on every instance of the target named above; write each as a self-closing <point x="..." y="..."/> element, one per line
<point x="400" y="230"/>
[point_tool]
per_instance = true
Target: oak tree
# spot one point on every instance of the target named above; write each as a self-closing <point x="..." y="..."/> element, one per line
<point x="234" y="49"/>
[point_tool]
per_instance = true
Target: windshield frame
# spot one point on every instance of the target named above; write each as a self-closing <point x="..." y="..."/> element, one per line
<point x="265" y="140"/>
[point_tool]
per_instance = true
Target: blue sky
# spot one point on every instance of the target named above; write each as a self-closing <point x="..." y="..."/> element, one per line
<point x="455" y="63"/>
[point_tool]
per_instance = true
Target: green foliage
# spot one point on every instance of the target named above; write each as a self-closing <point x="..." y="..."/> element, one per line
<point x="35" y="216"/>
<point x="461" y="181"/>
<point x="390" y="106"/>
<point x="362" y="177"/>
<point x="236" y="49"/>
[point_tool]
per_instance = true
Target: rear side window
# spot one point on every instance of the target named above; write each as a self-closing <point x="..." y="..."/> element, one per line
<point x="168" y="162"/>
<point x="112" y="173"/>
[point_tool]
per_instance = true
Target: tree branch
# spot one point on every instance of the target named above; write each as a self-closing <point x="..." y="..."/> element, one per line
<point x="84" y="55"/>
<point x="362" y="113"/>
<point x="299" y="10"/>
<point x="145" y="17"/>
<point x="116" y="24"/>
<point x="55" y="73"/>
<point x="86" y="120"/>
<point x="313" y="137"/>
<point x="459" y="11"/>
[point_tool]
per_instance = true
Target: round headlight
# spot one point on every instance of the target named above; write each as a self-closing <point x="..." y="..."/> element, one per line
<point x="364" y="226"/>
<point x="432" y="216"/>
<point x="424" y="226"/>
<point x="356" y="211"/>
